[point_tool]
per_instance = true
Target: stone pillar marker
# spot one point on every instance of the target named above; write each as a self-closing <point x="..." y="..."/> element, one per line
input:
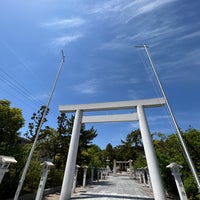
<point x="140" y="175"/>
<point x="101" y="174"/>
<point x="174" y="167"/>
<point x="148" y="179"/>
<point x="84" y="175"/>
<point x="143" y="176"/>
<point x="114" y="168"/>
<point x="108" y="170"/>
<point x="75" y="178"/>
<point x="131" y="168"/>
<point x="98" y="174"/>
<point x="92" y="174"/>
<point x="46" y="169"/>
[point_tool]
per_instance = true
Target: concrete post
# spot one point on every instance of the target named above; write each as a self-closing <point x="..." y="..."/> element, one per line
<point x="46" y="169"/>
<point x="140" y="176"/>
<point x="107" y="167"/>
<point x="84" y="175"/>
<point x="152" y="162"/>
<point x="136" y="174"/>
<point x="114" y="168"/>
<point x="130" y="168"/>
<point x="174" y="167"/>
<point x="143" y="176"/>
<point x="101" y="173"/>
<point x="92" y="174"/>
<point x="75" y="178"/>
<point x="71" y="159"/>
<point x="98" y="174"/>
<point x="149" y="180"/>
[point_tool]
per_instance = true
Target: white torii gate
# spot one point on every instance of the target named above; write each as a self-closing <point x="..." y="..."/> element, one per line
<point x="140" y="116"/>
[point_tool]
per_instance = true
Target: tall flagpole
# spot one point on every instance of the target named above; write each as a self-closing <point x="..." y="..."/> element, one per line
<point x="38" y="131"/>
<point x="190" y="162"/>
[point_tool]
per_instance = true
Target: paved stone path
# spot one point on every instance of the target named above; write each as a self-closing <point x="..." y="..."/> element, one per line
<point x="114" y="188"/>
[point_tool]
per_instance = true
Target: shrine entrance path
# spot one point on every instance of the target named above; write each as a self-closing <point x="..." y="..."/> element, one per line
<point x="119" y="187"/>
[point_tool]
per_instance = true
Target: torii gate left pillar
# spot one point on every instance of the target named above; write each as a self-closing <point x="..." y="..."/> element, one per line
<point x="152" y="162"/>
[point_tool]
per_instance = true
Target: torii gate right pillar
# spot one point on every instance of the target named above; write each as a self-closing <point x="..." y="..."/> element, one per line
<point x="151" y="158"/>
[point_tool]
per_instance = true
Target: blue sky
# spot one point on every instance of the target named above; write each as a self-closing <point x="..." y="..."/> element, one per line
<point x="102" y="63"/>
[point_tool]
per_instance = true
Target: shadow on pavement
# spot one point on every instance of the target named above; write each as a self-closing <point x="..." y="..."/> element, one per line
<point x="94" y="196"/>
<point x="102" y="183"/>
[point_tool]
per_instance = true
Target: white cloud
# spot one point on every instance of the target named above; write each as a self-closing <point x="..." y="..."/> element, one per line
<point x="87" y="87"/>
<point x="113" y="45"/>
<point x="158" y="117"/>
<point x="152" y="5"/>
<point x="64" y="40"/>
<point x="190" y="35"/>
<point x="122" y="80"/>
<point x="156" y="35"/>
<point x="126" y="10"/>
<point x="71" y="23"/>
<point x="134" y="125"/>
<point x="64" y="23"/>
<point x="135" y="94"/>
<point x="133" y="81"/>
<point x="39" y="97"/>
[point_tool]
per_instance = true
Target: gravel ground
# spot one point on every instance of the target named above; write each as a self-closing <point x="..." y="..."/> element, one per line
<point x="120" y="187"/>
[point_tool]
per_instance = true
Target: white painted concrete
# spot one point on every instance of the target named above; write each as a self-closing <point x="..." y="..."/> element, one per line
<point x="71" y="159"/>
<point x="113" y="105"/>
<point x="149" y="149"/>
<point x="152" y="162"/>
<point x="110" y="118"/>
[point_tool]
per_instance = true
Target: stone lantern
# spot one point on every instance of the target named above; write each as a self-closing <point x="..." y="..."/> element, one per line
<point x="5" y="162"/>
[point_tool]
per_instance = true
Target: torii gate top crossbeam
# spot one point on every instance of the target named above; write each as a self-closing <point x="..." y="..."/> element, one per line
<point x="156" y="102"/>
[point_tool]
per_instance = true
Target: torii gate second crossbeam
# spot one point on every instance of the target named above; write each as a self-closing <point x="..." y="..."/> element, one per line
<point x="140" y="116"/>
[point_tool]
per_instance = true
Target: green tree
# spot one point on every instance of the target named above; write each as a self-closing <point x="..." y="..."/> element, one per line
<point x="11" y="178"/>
<point x="49" y="144"/>
<point x="169" y="150"/>
<point x="54" y="144"/>
<point x="94" y="155"/>
<point x="192" y="140"/>
<point x="131" y="147"/>
<point x="33" y="175"/>
<point x="49" y="147"/>
<point x="36" y="121"/>
<point x="11" y="121"/>
<point x="107" y="154"/>
<point x="65" y="126"/>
